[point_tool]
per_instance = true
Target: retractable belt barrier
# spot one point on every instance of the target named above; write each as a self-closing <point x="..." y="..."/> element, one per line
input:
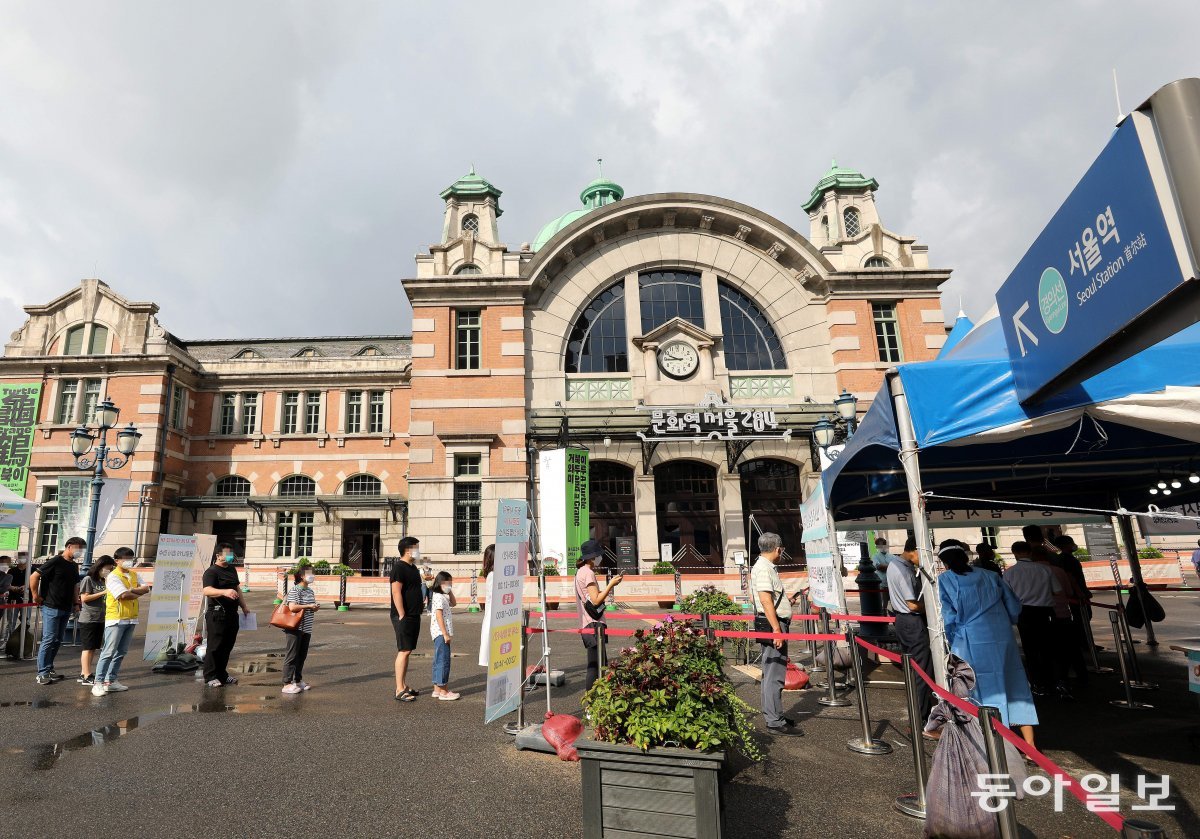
<point x="29" y="605"/>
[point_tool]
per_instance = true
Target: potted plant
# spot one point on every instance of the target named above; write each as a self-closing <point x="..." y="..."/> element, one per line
<point x="664" y="568"/>
<point x="664" y="714"/>
<point x="709" y="600"/>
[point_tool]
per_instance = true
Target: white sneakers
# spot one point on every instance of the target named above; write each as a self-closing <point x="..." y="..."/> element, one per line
<point x="100" y="689"/>
<point x="292" y="688"/>
<point x="304" y="685"/>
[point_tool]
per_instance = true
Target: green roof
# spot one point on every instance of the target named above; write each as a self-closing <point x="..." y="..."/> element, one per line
<point x="838" y="177"/>
<point x="471" y="185"/>
<point x="598" y="193"/>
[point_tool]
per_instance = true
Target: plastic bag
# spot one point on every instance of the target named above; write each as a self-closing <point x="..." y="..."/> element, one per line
<point x="561" y="731"/>
<point x="841" y="658"/>
<point x="957" y="765"/>
<point x="796" y="678"/>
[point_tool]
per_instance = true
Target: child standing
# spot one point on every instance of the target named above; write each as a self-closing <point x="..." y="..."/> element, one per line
<point x="301" y="598"/>
<point x="441" y="627"/>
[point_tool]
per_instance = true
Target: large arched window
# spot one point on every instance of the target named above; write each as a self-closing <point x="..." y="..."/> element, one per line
<point x="297" y="486"/>
<point x="232" y="486"/>
<point x="853" y="223"/>
<point x="749" y="341"/>
<point x="670" y="294"/>
<point x="598" y="341"/>
<point x="362" y="485"/>
<point x="96" y="342"/>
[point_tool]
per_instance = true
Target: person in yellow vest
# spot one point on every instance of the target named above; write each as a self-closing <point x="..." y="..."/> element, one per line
<point x="120" y="619"/>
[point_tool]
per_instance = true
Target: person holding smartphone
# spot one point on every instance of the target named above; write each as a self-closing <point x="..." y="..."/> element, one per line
<point x="590" y="602"/>
<point x="122" y="589"/>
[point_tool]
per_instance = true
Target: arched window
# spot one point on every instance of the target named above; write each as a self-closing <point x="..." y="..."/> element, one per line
<point x="470" y="224"/>
<point x="233" y="486"/>
<point x="297" y="486"/>
<point x="248" y="354"/>
<point x="749" y="341"/>
<point x="670" y="294"/>
<point x="369" y="351"/>
<point x="80" y="341"/>
<point x="467" y="269"/>
<point x="308" y="352"/>
<point x="852" y="222"/>
<point x="825" y="228"/>
<point x="73" y="345"/>
<point x="877" y="262"/>
<point x="598" y="343"/>
<point x="771" y="503"/>
<point x="362" y="485"/>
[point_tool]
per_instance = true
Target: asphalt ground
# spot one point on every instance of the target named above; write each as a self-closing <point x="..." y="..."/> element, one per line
<point x="173" y="758"/>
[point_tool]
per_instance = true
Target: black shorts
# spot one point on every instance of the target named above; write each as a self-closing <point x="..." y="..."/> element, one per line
<point x="91" y="635"/>
<point x="408" y="631"/>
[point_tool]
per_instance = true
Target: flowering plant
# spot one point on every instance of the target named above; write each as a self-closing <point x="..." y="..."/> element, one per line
<point x="709" y="600"/>
<point x="670" y="689"/>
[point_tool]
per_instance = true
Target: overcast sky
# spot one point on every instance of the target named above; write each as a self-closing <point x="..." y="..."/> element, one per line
<point x="270" y="169"/>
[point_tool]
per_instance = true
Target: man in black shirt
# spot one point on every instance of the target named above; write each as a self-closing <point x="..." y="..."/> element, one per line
<point x="406" y="611"/>
<point x="55" y="587"/>
<point x="224" y="594"/>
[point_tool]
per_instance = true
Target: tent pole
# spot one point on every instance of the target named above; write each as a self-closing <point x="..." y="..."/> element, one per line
<point x="1125" y="522"/>
<point x="910" y="460"/>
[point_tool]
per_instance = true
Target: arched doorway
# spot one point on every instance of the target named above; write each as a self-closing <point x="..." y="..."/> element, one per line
<point x="771" y="503"/>
<point x="688" y="514"/>
<point x="610" y="486"/>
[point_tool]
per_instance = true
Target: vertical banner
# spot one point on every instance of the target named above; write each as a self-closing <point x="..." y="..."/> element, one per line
<point x="504" y="677"/>
<point x="563" y="504"/>
<point x="18" y="416"/>
<point x="824" y="569"/>
<point x="178" y="585"/>
<point x="74" y="502"/>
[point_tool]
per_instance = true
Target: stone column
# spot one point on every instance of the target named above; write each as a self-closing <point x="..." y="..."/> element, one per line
<point x="729" y="501"/>
<point x="645" y="516"/>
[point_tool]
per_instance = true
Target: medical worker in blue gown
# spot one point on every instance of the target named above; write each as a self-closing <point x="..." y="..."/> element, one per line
<point x="979" y="611"/>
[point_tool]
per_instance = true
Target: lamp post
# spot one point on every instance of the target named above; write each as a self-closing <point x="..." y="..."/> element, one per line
<point x="81" y="443"/>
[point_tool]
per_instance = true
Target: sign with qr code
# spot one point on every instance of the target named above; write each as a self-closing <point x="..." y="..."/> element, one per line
<point x="178" y="590"/>
<point x="503" y="644"/>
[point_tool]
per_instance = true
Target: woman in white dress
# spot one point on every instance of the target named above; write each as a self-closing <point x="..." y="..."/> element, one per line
<point x="489" y="559"/>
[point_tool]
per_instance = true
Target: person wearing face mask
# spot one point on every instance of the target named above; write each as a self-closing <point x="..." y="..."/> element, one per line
<point x="92" y="592"/>
<point x="55" y="588"/>
<point x="6" y="615"/>
<point x="120" y="619"/>
<point x="224" y="593"/>
<point x="441" y="627"/>
<point x="301" y="598"/>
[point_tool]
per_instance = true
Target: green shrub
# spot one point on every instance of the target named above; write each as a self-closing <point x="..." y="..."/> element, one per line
<point x="321" y="566"/>
<point x="1150" y="553"/>
<point x="709" y="600"/>
<point x="342" y="570"/>
<point x="663" y="568"/>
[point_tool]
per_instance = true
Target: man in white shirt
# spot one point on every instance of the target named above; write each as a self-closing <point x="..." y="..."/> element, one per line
<point x="1035" y="585"/>
<point x="771" y="605"/>
<point x="882" y="559"/>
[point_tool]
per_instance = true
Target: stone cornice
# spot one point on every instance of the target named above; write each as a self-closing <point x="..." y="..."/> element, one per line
<point x="911" y="283"/>
<point x="455" y="289"/>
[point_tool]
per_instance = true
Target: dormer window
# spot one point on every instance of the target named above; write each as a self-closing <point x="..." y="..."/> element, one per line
<point x="852" y="222"/>
<point x="468" y="269"/>
<point x="877" y="262"/>
<point x="307" y="352"/>
<point x="369" y="351"/>
<point x="470" y="225"/>
<point x="93" y="336"/>
<point x="248" y="354"/>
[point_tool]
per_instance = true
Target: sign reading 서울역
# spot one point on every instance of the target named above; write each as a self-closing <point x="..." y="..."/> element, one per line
<point x="504" y="676"/>
<point x="18" y="416"/>
<point x="1104" y="260"/>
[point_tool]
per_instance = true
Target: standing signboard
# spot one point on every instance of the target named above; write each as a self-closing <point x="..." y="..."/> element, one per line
<point x="1101" y="541"/>
<point x="504" y="676"/>
<point x="627" y="562"/>
<point x="563" y="505"/>
<point x="178" y="590"/>
<point x="18" y="416"/>
<point x="74" y="505"/>
<point x="824" y="567"/>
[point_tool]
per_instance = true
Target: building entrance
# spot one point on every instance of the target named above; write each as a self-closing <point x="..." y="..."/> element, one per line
<point x="771" y="504"/>
<point x="610" y="486"/>
<point x="360" y="545"/>
<point x="233" y="532"/>
<point x="688" y="514"/>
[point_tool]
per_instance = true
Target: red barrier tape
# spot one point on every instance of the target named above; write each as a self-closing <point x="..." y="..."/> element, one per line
<point x="17" y="606"/>
<point x="879" y="651"/>
<point x="785" y="636"/>
<point x="864" y="618"/>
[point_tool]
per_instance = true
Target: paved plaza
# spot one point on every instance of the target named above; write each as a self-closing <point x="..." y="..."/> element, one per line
<point x="171" y="758"/>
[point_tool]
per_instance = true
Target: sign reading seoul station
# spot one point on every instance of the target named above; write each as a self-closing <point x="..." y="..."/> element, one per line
<point x="1114" y="253"/>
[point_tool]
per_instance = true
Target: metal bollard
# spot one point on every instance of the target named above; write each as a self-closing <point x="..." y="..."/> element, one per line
<point x="519" y="725"/>
<point x="601" y="652"/>
<point x="1096" y="667"/>
<point x="831" y="698"/>
<point x="1139" y="829"/>
<point x="997" y="762"/>
<point x="1128" y="701"/>
<point x="1135" y="669"/>
<point x="913" y="804"/>
<point x="706" y="625"/>
<point x="867" y="744"/>
<point x="805" y="606"/>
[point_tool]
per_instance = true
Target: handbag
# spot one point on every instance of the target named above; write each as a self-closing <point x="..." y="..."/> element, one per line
<point x="285" y="618"/>
<point x="761" y="624"/>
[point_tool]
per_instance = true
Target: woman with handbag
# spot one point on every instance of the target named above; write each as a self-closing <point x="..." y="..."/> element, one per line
<point x="300" y="611"/>
<point x="590" y="603"/>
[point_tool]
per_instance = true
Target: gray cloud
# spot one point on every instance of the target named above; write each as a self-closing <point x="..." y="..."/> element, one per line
<point x="272" y="168"/>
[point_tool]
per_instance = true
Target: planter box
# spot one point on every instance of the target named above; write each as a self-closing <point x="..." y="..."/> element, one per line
<point x="660" y="793"/>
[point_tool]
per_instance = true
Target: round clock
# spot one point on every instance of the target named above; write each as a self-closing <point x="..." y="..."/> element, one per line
<point x="678" y="359"/>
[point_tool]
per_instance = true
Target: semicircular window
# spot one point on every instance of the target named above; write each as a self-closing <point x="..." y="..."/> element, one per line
<point x="232" y="486"/>
<point x="670" y="294"/>
<point x="749" y="341"/>
<point x="297" y="486"/>
<point x="598" y="342"/>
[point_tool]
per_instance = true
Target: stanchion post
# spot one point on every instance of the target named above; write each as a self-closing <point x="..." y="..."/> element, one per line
<point x="805" y="606"/>
<point x="1090" y="640"/>
<point x="913" y="804"/>
<point x="519" y="726"/>
<point x="831" y="698"/>
<point x="1139" y="829"/>
<point x="706" y="625"/>
<point x="601" y="652"/>
<point x="343" y="604"/>
<point x="1128" y="701"/>
<point x="997" y="762"/>
<point x="1135" y="669"/>
<point x="867" y="744"/>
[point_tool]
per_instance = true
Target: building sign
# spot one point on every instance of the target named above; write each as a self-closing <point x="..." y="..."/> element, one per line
<point x="178" y="590"/>
<point x="627" y="561"/>
<point x="713" y="423"/>
<point x="563" y="505"/>
<point x="18" y="416"/>
<point x="504" y="677"/>
<point x="74" y="506"/>
<point x="1104" y="262"/>
<point x="970" y="518"/>
<point x="1101" y="541"/>
<point x="824" y="565"/>
<point x="1170" y="525"/>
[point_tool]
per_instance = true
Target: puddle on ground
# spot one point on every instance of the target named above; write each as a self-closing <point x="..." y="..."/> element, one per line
<point x="36" y="703"/>
<point x="45" y="756"/>
<point x="255" y="667"/>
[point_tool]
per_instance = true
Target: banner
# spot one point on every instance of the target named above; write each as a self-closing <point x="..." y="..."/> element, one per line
<point x="563" y="504"/>
<point x="504" y="677"/>
<point x="18" y="416"/>
<point x="824" y="568"/>
<point x="74" y="502"/>
<point x="1153" y="525"/>
<point x="178" y="585"/>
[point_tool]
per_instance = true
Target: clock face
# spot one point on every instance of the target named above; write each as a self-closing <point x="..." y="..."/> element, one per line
<point x="678" y="359"/>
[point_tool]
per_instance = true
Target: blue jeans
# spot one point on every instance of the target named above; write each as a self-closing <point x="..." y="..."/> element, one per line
<point x="54" y="628"/>
<point x="441" y="661"/>
<point x="116" y="644"/>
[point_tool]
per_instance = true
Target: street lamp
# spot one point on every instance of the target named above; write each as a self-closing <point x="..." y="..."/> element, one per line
<point x="847" y="408"/>
<point x="823" y="432"/>
<point x="81" y="443"/>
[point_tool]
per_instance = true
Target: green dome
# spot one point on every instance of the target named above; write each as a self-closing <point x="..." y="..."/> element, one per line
<point x="473" y="186"/>
<point x="595" y="195"/>
<point x="838" y="177"/>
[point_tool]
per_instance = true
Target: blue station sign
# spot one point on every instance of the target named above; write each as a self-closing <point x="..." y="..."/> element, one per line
<point x="1104" y="260"/>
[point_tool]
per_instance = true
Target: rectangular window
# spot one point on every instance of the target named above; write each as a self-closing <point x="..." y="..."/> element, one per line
<point x="304" y="534"/>
<point x="466" y="340"/>
<point x="74" y="341"/>
<point x="466" y="517"/>
<point x="228" y="422"/>
<point x="91" y="398"/>
<point x="290" y="423"/>
<point x="249" y="412"/>
<point x="375" y="421"/>
<point x="466" y="465"/>
<point x="887" y="332"/>
<point x="68" y="396"/>
<point x="178" y="400"/>
<point x="354" y="411"/>
<point x="312" y="412"/>
<point x="285" y="534"/>
<point x="99" y="341"/>
<point x="294" y="535"/>
<point x="47" y="539"/>
<point x="990" y="535"/>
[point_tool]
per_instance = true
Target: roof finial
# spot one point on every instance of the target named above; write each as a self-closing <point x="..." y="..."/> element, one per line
<point x="600" y="163"/>
<point x="472" y="169"/>
<point x="832" y="163"/>
<point x="961" y="313"/>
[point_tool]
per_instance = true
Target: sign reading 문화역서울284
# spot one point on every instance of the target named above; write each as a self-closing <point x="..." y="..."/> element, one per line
<point x="1106" y="258"/>
<point x="713" y="423"/>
